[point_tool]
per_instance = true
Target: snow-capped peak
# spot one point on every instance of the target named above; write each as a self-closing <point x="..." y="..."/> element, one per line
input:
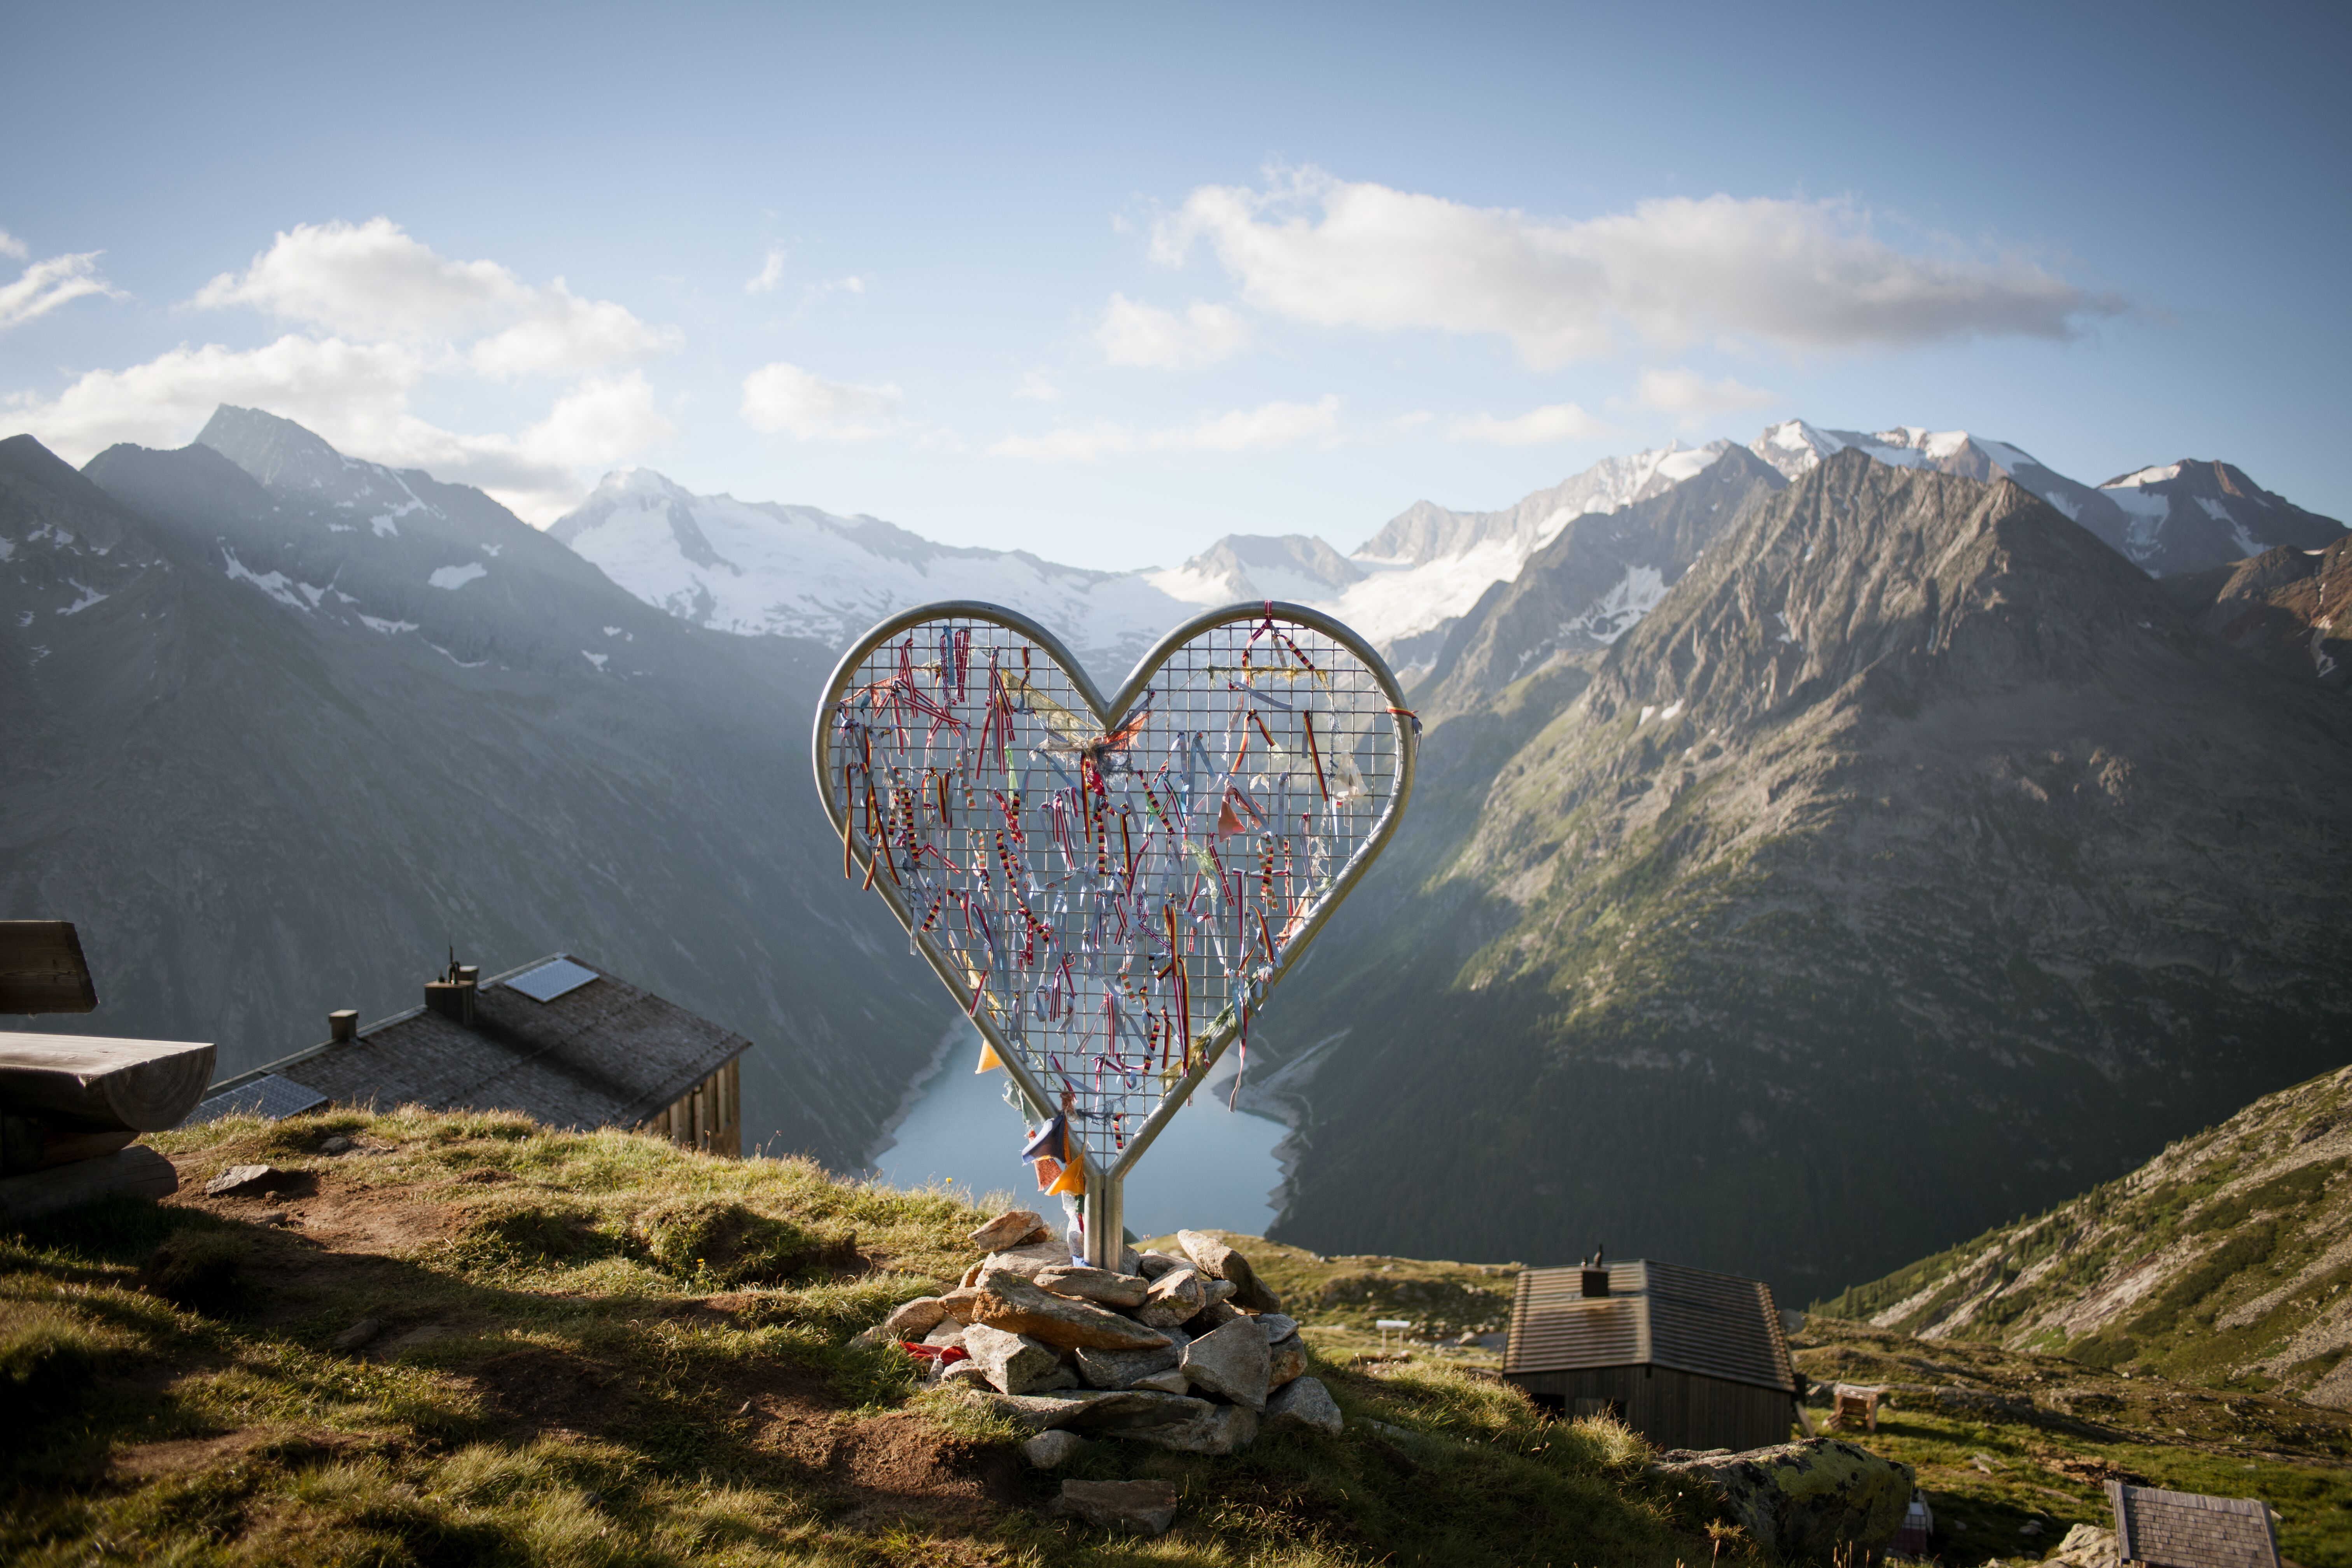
<point x="2150" y="476"/>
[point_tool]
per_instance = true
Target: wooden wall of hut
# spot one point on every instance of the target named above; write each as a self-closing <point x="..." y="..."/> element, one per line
<point x="709" y="1117"/>
<point x="1672" y="1409"/>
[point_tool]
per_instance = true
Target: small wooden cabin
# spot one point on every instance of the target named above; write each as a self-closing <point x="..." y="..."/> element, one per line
<point x="2163" y="1528"/>
<point x="557" y="1039"/>
<point x="1686" y="1358"/>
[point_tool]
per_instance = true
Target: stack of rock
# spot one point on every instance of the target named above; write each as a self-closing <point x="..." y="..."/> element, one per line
<point x="1192" y="1352"/>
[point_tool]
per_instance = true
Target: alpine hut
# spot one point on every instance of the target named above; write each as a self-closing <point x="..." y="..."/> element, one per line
<point x="1686" y="1358"/>
<point x="557" y="1039"/>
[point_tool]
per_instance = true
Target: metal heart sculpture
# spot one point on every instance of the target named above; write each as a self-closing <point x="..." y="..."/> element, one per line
<point x="1110" y="889"/>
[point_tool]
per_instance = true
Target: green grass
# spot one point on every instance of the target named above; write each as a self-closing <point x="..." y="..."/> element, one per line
<point x="473" y="1340"/>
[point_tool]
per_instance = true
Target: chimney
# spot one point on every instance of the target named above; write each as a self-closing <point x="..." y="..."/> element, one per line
<point x="343" y="1025"/>
<point x="1596" y="1281"/>
<point x="452" y="995"/>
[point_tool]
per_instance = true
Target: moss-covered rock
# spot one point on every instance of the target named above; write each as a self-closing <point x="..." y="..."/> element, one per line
<point x="1803" y="1500"/>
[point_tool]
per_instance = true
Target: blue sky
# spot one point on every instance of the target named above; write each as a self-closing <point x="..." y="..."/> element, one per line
<point x="1105" y="285"/>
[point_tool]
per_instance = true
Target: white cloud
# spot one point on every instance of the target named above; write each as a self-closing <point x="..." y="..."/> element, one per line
<point x="1037" y="388"/>
<point x="1795" y="273"/>
<point x="1688" y="391"/>
<point x="1536" y="427"/>
<point x="784" y="399"/>
<point x="356" y="396"/>
<point x="1269" y="424"/>
<point x="371" y="281"/>
<point x="1134" y="333"/>
<point x="46" y="285"/>
<point x="771" y="274"/>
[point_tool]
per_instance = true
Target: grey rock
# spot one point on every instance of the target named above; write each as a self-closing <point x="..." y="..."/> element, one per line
<point x="1028" y="1260"/>
<point x="1153" y="1265"/>
<point x="1142" y="1508"/>
<point x="913" y="1319"/>
<point x="1304" y="1402"/>
<point x="1278" y="1326"/>
<point x="1218" y="1259"/>
<point x="1037" y="1412"/>
<point x="358" y="1335"/>
<point x="1232" y="1361"/>
<point x="1014" y="1362"/>
<point x="1012" y="1303"/>
<point x="945" y="1333"/>
<point x="1096" y="1285"/>
<point x="243" y="1181"/>
<point x="1212" y="1318"/>
<point x="1808" y="1499"/>
<point x="1174" y="1297"/>
<point x="1214" y="1290"/>
<point x="335" y="1145"/>
<point x="1014" y="1227"/>
<point x="1121" y="1369"/>
<point x="1213" y="1430"/>
<point x="1131" y="1411"/>
<point x="970" y="1374"/>
<point x="1052" y="1450"/>
<point x="1285" y="1361"/>
<point x="1173" y="1380"/>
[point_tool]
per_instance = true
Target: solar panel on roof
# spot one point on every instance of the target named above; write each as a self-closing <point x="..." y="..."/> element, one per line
<point x="552" y="979"/>
<point x="268" y="1095"/>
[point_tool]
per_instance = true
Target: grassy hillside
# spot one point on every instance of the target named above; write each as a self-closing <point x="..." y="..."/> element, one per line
<point x="467" y="1338"/>
<point x="2225" y="1259"/>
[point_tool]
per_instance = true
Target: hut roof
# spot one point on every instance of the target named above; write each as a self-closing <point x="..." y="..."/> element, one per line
<point x="1655" y="1314"/>
<point x="2184" y="1529"/>
<point x="557" y="1039"/>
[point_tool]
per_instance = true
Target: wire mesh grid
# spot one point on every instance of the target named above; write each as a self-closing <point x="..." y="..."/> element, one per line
<point x="1112" y="902"/>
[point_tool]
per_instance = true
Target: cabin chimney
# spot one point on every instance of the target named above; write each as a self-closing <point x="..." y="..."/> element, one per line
<point x="343" y="1025"/>
<point x="452" y="995"/>
<point x="1596" y="1281"/>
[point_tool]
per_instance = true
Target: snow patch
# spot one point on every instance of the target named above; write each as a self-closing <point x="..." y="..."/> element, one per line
<point x="456" y="577"/>
<point x="89" y="596"/>
<point x="1673" y="708"/>
<point x="7" y="548"/>
<point x="273" y="583"/>
<point x="1618" y="611"/>
<point x="598" y="659"/>
<point x="453" y="659"/>
<point x="389" y="629"/>
<point x="2154" y="476"/>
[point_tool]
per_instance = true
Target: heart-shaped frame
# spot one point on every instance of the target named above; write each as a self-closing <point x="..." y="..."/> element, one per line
<point x="1112" y="887"/>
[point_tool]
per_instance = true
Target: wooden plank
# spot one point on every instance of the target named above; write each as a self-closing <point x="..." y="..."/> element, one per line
<point x="137" y="1172"/>
<point x="42" y="969"/>
<point x="104" y="1084"/>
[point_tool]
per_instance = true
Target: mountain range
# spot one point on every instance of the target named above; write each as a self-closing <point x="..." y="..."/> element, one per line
<point x="285" y="727"/>
<point x="1823" y="846"/>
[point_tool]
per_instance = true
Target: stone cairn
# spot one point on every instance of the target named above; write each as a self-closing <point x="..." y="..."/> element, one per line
<point x="1191" y="1353"/>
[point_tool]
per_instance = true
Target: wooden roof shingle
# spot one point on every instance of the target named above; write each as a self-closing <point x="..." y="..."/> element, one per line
<point x="1655" y="1314"/>
<point x="2186" y="1530"/>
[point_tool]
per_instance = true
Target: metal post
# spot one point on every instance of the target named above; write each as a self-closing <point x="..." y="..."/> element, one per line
<point x="1106" y="1223"/>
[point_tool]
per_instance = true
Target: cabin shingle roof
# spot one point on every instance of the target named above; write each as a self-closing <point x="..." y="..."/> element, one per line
<point x="2185" y="1529"/>
<point x="605" y="1054"/>
<point x="1655" y="1314"/>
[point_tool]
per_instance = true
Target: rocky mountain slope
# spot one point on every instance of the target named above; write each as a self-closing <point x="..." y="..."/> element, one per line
<point x="2186" y="516"/>
<point x="283" y="729"/>
<point x="1912" y="862"/>
<point x="2226" y="1258"/>
<point x="2286" y="606"/>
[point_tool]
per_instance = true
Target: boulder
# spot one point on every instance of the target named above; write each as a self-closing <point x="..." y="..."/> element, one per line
<point x="1036" y="1412"/>
<point x="1131" y="1411"/>
<point x="1801" y="1499"/>
<point x="945" y="1333"/>
<point x="970" y="1375"/>
<point x="1232" y="1361"/>
<point x="1212" y="1318"/>
<point x="1143" y="1508"/>
<point x="913" y="1319"/>
<point x="959" y="1302"/>
<point x="1216" y="1290"/>
<point x="1211" y="1429"/>
<point x="1052" y="1450"/>
<point x="1278" y="1326"/>
<point x="1121" y="1369"/>
<point x="1215" y="1258"/>
<point x="1014" y="1363"/>
<point x="1304" y="1402"/>
<point x="1028" y="1260"/>
<point x="1173" y="1380"/>
<point x="1174" y="1297"/>
<point x="2086" y="1546"/>
<point x="1286" y="1360"/>
<point x="1098" y="1285"/>
<point x="1010" y="1229"/>
<point x="1153" y="1265"/>
<point x="240" y="1181"/>
<point x="1011" y="1302"/>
